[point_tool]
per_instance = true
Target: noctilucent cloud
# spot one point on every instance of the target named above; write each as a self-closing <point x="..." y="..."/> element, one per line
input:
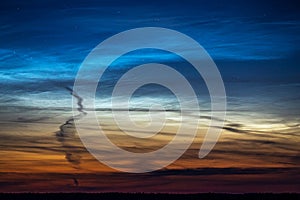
<point x="255" y="45"/>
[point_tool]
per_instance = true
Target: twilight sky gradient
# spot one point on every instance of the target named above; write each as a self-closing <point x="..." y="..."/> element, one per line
<point x="255" y="44"/>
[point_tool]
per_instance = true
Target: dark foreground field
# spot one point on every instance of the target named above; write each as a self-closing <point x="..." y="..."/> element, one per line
<point x="87" y="196"/>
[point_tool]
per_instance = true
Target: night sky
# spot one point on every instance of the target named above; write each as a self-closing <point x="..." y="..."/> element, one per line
<point x="255" y="45"/>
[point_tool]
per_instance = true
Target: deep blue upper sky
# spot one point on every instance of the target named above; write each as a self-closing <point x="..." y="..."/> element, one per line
<point x="44" y="41"/>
